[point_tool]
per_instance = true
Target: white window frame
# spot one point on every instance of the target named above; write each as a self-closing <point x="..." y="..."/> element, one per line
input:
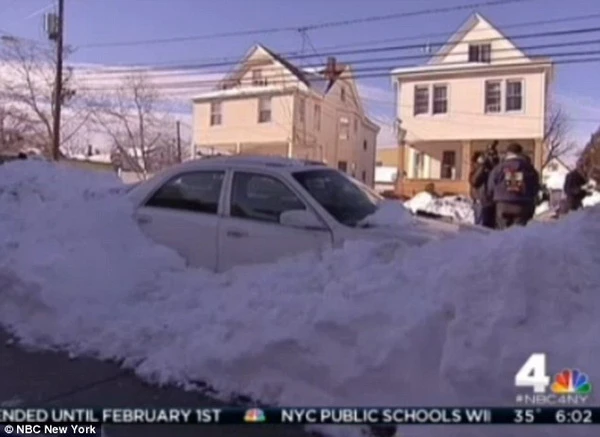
<point x="486" y="109"/>
<point x="257" y="78"/>
<point x="447" y="98"/>
<point x="263" y="102"/>
<point x="479" y="53"/>
<point x="506" y="96"/>
<point x="427" y="89"/>
<point x="344" y="124"/>
<point x="302" y="109"/>
<point x="317" y="117"/>
<point x="216" y="113"/>
<point x="418" y="167"/>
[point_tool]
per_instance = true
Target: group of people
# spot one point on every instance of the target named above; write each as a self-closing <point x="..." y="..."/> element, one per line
<point x="506" y="191"/>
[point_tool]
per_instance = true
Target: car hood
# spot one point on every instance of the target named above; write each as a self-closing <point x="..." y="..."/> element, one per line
<point x="420" y="231"/>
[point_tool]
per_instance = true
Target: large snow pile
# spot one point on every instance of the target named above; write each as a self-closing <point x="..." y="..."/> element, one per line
<point x="448" y="323"/>
<point x="458" y="208"/>
<point x="593" y="199"/>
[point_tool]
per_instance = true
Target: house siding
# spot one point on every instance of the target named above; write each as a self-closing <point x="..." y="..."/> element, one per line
<point x="466" y="116"/>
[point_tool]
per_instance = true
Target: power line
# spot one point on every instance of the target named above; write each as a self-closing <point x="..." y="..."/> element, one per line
<point x="395" y="60"/>
<point x="377" y="72"/>
<point x="289" y="54"/>
<point x="314" y="26"/>
<point x="445" y="34"/>
<point x="199" y="66"/>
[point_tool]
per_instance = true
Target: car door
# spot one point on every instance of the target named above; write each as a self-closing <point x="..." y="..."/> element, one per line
<point x="250" y="231"/>
<point x="183" y="214"/>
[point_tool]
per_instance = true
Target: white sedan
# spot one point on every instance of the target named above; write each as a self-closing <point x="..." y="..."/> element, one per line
<point x="226" y="211"/>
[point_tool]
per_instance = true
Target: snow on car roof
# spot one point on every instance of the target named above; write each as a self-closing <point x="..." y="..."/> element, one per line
<point x="259" y="161"/>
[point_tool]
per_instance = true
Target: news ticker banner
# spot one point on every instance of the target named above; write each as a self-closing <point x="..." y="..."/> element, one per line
<point x="14" y="417"/>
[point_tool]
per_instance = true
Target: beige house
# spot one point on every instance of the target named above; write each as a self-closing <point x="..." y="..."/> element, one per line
<point x="479" y="87"/>
<point x="268" y="106"/>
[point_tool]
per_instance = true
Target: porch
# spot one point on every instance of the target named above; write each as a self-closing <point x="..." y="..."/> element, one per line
<point x="445" y="165"/>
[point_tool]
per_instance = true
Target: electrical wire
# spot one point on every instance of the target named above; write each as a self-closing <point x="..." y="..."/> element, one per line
<point x="376" y="71"/>
<point x="200" y="66"/>
<point x="313" y="26"/>
<point x="290" y="54"/>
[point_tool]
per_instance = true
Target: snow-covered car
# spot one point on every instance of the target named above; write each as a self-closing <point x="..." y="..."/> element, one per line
<point x="225" y="211"/>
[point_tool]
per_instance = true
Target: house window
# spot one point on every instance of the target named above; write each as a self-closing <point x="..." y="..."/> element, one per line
<point x="264" y="109"/>
<point x="302" y="109"/>
<point x="418" y="164"/>
<point x="440" y="99"/>
<point x="493" y="96"/>
<point x="257" y="78"/>
<point x="514" y="95"/>
<point x="343" y="166"/>
<point x="355" y="125"/>
<point x="480" y="53"/>
<point x="317" y="117"/>
<point x="421" y="103"/>
<point x="379" y="164"/>
<point x="343" y="94"/>
<point x="365" y="144"/>
<point x="448" y="170"/>
<point x="364" y="176"/>
<point x="215" y="113"/>
<point x="344" y="128"/>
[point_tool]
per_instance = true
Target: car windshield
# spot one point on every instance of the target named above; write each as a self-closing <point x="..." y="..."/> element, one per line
<point x="345" y="199"/>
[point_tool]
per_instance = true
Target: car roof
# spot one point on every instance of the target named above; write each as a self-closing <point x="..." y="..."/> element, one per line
<point x="249" y="161"/>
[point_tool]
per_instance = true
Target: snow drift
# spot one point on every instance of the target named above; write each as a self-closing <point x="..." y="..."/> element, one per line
<point x="458" y="208"/>
<point x="448" y="323"/>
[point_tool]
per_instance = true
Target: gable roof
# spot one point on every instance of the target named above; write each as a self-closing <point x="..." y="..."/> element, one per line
<point x="462" y="31"/>
<point x="288" y="65"/>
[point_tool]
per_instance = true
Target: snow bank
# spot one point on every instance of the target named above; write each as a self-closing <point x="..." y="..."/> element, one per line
<point x="390" y="213"/>
<point x="448" y="323"/>
<point x="458" y="208"/>
<point x="592" y="200"/>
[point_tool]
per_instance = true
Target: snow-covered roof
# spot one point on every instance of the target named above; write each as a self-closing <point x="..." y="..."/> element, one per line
<point x="239" y="92"/>
<point x="101" y="158"/>
<point x="469" y="66"/>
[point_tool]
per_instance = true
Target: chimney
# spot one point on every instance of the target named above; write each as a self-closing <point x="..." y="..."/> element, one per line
<point x="331" y="68"/>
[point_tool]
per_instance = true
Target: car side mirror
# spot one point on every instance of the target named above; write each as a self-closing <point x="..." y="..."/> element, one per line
<point x="301" y="218"/>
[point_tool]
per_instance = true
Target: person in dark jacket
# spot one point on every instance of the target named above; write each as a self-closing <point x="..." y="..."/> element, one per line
<point x="574" y="189"/>
<point x="482" y="203"/>
<point x="514" y="185"/>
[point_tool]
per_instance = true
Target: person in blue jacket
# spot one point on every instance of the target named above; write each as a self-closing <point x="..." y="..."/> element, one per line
<point x="514" y="185"/>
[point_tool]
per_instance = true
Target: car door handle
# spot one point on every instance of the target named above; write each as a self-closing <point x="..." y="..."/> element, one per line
<point x="235" y="233"/>
<point x="144" y="219"/>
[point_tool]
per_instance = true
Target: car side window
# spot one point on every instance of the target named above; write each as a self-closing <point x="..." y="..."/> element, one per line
<point x="260" y="197"/>
<point x="194" y="191"/>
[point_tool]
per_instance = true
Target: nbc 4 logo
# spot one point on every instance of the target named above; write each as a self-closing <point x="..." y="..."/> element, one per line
<point x="570" y="386"/>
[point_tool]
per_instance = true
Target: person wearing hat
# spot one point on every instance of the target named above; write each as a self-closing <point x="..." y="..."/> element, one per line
<point x="514" y="185"/>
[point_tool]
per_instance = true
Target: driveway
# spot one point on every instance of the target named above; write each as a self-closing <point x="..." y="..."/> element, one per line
<point x="49" y="379"/>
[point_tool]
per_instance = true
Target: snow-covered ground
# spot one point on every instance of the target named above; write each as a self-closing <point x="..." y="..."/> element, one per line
<point x="458" y="208"/>
<point x="448" y="323"/>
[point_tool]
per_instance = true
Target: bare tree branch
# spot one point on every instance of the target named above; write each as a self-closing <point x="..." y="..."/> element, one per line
<point x="556" y="140"/>
<point x="132" y="120"/>
<point x="589" y="159"/>
<point x="27" y="83"/>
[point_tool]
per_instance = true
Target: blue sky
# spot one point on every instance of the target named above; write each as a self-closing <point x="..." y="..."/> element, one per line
<point x="101" y="21"/>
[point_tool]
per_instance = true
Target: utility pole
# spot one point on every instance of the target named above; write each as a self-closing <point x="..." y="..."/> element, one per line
<point x="178" y="127"/>
<point x="56" y="34"/>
